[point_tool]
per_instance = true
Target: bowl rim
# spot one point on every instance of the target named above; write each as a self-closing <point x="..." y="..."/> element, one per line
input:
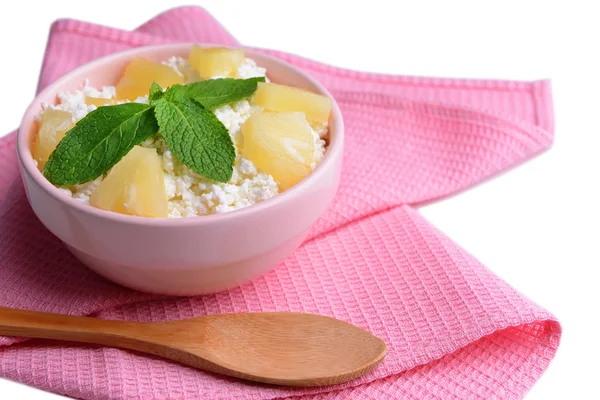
<point x="334" y="149"/>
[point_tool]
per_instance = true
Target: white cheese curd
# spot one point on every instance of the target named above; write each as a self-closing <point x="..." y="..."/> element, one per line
<point x="233" y="116"/>
<point x="249" y="69"/>
<point x="84" y="191"/>
<point x="183" y="68"/>
<point x="74" y="102"/>
<point x="190" y="194"/>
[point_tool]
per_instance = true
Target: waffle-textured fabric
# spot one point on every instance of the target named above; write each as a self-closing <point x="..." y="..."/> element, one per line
<point x="453" y="329"/>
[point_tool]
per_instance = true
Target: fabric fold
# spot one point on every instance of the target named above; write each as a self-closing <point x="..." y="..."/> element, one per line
<point x="453" y="329"/>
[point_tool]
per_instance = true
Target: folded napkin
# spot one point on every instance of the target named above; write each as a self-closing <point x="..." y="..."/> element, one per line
<point x="453" y="329"/>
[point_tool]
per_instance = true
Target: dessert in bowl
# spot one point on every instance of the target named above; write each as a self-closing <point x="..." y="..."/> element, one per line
<point x="199" y="184"/>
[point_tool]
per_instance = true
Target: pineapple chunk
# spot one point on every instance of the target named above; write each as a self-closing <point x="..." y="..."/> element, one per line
<point x="215" y="61"/>
<point x="280" y="144"/>
<point x="135" y="186"/>
<point x="287" y="98"/>
<point x="139" y="75"/>
<point x="54" y="126"/>
<point x="99" y="101"/>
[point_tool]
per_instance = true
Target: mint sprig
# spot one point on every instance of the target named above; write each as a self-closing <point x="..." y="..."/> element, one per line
<point x="215" y="92"/>
<point x="196" y="137"/>
<point x="180" y="114"/>
<point x="98" y="142"/>
<point x="156" y="92"/>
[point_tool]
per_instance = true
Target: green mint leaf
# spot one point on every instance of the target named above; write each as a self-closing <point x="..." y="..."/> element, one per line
<point x="156" y="92"/>
<point x="98" y="142"/>
<point x="196" y="137"/>
<point x="212" y="93"/>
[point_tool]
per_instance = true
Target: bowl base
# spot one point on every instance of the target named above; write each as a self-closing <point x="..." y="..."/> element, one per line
<point x="174" y="281"/>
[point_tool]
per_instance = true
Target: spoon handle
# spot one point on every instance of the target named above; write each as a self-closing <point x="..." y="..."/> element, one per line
<point x="43" y="325"/>
<point x="151" y="338"/>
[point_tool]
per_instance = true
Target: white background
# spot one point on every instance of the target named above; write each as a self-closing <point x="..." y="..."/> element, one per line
<point x="536" y="226"/>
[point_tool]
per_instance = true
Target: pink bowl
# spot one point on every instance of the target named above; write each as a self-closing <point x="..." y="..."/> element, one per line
<point x="180" y="256"/>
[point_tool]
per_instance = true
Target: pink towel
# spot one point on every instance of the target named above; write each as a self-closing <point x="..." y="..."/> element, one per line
<point x="453" y="329"/>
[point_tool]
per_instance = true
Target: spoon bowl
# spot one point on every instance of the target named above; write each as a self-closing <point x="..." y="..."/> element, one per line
<point x="281" y="348"/>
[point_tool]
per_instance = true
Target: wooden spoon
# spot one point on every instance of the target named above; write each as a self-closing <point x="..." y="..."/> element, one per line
<point x="281" y="348"/>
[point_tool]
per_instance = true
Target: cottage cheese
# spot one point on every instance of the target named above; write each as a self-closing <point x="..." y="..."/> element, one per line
<point x="189" y="193"/>
<point x="74" y="102"/>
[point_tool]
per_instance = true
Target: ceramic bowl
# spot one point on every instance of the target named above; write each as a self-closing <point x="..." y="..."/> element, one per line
<point x="186" y="256"/>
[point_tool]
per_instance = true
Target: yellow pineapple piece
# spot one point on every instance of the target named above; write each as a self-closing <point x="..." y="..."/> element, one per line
<point x="287" y="98"/>
<point x="99" y="101"/>
<point x="54" y="124"/>
<point x="280" y="144"/>
<point x="216" y="61"/>
<point x="134" y="186"/>
<point x="139" y="75"/>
